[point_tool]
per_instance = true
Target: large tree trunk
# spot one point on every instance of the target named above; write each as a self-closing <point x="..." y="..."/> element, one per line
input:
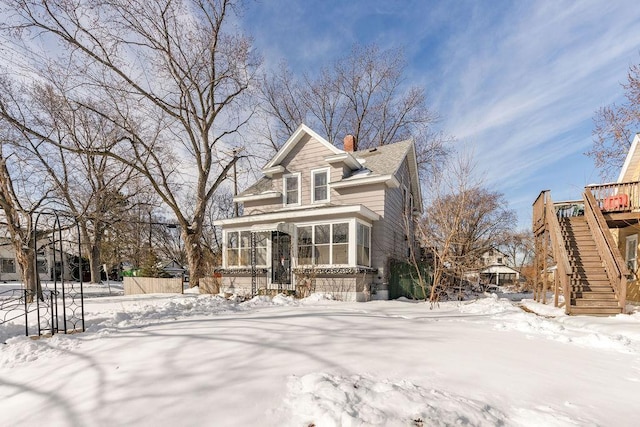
<point x="94" y="263"/>
<point x="30" y="277"/>
<point x="195" y="256"/>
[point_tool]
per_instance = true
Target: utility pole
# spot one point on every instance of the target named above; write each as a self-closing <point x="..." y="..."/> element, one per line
<point x="235" y="182"/>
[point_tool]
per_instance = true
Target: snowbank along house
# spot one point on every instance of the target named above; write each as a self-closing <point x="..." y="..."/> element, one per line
<point x="323" y="219"/>
<point x="594" y="242"/>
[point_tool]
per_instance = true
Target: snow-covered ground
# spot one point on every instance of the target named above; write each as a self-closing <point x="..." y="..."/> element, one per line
<point x="169" y="360"/>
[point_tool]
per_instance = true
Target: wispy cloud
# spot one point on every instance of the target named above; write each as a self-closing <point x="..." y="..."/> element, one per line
<point x="519" y="81"/>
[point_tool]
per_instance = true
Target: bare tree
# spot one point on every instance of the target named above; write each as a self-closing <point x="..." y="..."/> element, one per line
<point x="19" y="200"/>
<point x="615" y="127"/>
<point x="175" y="78"/>
<point x="363" y="94"/>
<point x="462" y="221"/>
<point x="518" y="246"/>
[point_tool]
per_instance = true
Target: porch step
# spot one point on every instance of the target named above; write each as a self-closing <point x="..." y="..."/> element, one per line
<point x="590" y="290"/>
<point x="597" y="296"/>
<point x="592" y="286"/>
<point x="583" y="302"/>
<point x="596" y="311"/>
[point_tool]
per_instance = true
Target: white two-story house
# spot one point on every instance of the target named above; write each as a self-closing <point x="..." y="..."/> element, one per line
<point x="324" y="219"/>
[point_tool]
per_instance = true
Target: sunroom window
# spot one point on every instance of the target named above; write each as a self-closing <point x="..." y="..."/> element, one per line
<point x="239" y="248"/>
<point x="323" y="244"/>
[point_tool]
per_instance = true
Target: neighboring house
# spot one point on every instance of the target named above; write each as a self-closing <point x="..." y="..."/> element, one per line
<point x="174" y="269"/>
<point x="323" y="219"/>
<point x="594" y="242"/>
<point x="495" y="270"/>
<point x="10" y="269"/>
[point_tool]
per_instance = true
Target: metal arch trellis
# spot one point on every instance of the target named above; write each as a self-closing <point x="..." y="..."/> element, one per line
<point x="70" y="296"/>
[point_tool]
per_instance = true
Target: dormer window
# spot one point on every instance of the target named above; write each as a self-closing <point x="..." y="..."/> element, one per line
<point x="320" y="185"/>
<point x="291" y="192"/>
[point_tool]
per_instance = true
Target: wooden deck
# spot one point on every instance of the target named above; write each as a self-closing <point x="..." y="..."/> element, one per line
<point x="618" y="202"/>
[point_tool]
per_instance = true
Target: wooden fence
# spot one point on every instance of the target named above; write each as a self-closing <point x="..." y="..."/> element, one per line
<point x="152" y="285"/>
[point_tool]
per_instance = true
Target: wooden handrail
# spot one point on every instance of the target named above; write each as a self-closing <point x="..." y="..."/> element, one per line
<point x="614" y="264"/>
<point x="538" y="212"/>
<point x="560" y="254"/>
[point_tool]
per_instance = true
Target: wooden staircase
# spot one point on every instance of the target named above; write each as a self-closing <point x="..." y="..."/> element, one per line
<point x="591" y="291"/>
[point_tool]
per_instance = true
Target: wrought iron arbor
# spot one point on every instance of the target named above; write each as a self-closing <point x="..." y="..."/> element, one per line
<point x="59" y="305"/>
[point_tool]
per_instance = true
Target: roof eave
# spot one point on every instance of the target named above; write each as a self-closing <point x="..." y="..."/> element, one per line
<point x="261" y="196"/>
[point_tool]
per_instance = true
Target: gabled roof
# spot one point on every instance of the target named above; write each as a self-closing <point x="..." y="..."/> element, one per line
<point x="387" y="159"/>
<point x="631" y="168"/>
<point x="292" y="141"/>
<point x="379" y="164"/>
<point x="260" y="186"/>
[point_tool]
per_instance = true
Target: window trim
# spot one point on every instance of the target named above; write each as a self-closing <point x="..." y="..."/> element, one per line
<point x="225" y="256"/>
<point x="327" y="171"/>
<point x="634" y="261"/>
<point x="10" y="261"/>
<point x="331" y="244"/>
<point x="284" y="188"/>
<point x="370" y="228"/>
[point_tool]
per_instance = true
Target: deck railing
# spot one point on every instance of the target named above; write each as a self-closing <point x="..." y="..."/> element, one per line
<point x="614" y="264"/>
<point x="617" y="197"/>
<point x="569" y="208"/>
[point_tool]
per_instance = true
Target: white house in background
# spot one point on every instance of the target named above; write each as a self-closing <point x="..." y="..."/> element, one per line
<point x="10" y="269"/>
<point x="495" y="271"/>
<point x="323" y="218"/>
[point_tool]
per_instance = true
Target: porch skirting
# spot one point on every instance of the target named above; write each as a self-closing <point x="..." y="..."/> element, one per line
<point x="351" y="286"/>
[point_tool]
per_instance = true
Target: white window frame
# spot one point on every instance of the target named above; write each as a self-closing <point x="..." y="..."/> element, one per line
<point x="284" y="188"/>
<point x="225" y="258"/>
<point x="331" y="224"/>
<point x="355" y="242"/>
<point x="326" y="171"/>
<point x="632" y="243"/>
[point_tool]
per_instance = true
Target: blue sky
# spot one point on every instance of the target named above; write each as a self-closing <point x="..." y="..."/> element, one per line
<point x="516" y="82"/>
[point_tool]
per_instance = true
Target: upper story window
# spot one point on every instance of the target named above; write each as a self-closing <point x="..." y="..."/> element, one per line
<point x="291" y="191"/>
<point x="320" y="185"/>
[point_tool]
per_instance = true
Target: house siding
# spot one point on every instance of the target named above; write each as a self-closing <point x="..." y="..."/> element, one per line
<point x="371" y="196"/>
<point x="307" y="155"/>
<point x="398" y="225"/>
<point x="633" y="286"/>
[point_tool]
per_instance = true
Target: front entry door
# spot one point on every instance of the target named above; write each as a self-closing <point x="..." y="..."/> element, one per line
<point x="280" y="258"/>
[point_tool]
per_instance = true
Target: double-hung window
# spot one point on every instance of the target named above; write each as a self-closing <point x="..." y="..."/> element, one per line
<point x="632" y="254"/>
<point x="320" y="185"/>
<point x="8" y="265"/>
<point x="291" y="191"/>
<point x="363" y="245"/>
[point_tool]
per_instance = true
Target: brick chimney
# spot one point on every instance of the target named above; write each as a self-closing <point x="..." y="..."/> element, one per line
<point x="349" y="143"/>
